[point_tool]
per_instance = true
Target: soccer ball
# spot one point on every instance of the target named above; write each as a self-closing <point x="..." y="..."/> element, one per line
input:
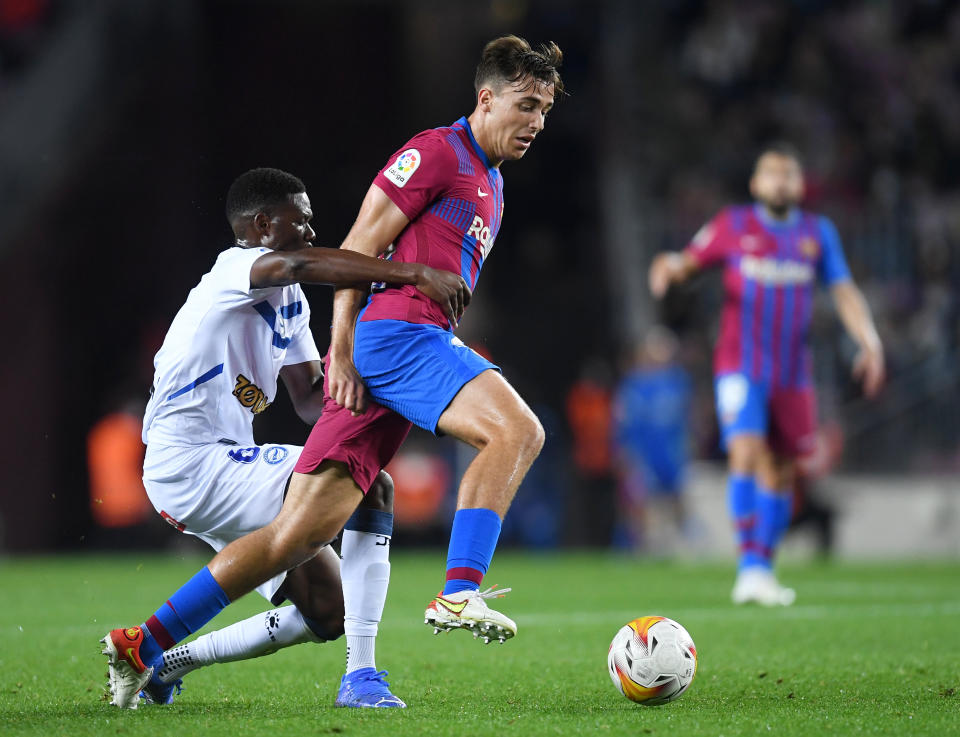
<point x="652" y="660"/>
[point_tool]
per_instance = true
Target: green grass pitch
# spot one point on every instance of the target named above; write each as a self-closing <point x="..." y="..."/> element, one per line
<point x="868" y="649"/>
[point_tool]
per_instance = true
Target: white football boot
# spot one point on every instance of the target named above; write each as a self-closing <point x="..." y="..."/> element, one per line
<point x="468" y="610"/>
<point x="127" y="672"/>
<point x="759" y="586"/>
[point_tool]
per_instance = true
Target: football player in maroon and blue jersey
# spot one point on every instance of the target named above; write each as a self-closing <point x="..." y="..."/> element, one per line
<point x="772" y="254"/>
<point x="439" y="200"/>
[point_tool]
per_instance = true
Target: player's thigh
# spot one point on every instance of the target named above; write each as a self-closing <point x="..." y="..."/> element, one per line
<point x="488" y="408"/>
<point x="363" y="443"/>
<point x="793" y="422"/>
<point x="316" y="506"/>
<point x="743" y="416"/>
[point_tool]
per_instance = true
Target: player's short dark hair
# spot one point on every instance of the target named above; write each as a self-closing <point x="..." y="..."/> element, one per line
<point x="260" y="189"/>
<point x="780" y="148"/>
<point x="509" y="59"/>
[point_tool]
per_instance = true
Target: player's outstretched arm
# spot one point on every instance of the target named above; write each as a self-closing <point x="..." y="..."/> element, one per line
<point x="343" y="268"/>
<point x="670" y="268"/>
<point x="306" y="394"/>
<point x="868" y="366"/>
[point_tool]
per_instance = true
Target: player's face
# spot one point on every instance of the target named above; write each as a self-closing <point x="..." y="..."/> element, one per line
<point x="777" y="182"/>
<point x="289" y="227"/>
<point x="516" y="115"/>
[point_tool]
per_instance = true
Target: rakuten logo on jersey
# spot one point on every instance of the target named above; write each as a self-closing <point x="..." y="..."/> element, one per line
<point x="482" y="233"/>
<point x="772" y="271"/>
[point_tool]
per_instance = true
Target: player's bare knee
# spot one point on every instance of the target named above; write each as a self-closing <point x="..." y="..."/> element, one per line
<point x="380" y="496"/>
<point x="292" y="545"/>
<point x="748" y="455"/>
<point x="528" y="436"/>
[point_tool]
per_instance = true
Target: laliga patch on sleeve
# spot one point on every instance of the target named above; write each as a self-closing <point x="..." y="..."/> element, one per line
<point x="400" y="171"/>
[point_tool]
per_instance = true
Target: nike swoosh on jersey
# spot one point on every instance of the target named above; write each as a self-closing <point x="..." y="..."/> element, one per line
<point x="481" y="192"/>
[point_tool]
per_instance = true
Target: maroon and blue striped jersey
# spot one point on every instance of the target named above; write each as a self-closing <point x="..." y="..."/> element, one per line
<point x="443" y="182"/>
<point x="770" y="269"/>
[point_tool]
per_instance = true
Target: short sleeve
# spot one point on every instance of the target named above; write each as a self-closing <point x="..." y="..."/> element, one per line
<point x="419" y="173"/>
<point x="709" y="245"/>
<point x="231" y="277"/>
<point x="832" y="267"/>
<point x="302" y="348"/>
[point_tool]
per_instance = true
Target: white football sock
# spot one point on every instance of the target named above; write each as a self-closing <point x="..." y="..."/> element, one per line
<point x="365" y="572"/>
<point x="261" y="634"/>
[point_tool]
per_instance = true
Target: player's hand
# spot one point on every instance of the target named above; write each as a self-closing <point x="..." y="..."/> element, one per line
<point x="662" y="273"/>
<point x="346" y="386"/>
<point x="869" y="370"/>
<point x="447" y="289"/>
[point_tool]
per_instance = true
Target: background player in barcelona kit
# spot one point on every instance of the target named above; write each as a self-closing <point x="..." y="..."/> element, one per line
<point x="245" y="323"/>
<point x="772" y="253"/>
<point x="458" y="213"/>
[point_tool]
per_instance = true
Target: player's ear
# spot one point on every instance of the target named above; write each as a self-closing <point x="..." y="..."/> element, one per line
<point x="485" y="99"/>
<point x="261" y="223"/>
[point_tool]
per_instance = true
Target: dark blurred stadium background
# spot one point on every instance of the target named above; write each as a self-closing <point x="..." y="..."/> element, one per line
<point x="122" y="122"/>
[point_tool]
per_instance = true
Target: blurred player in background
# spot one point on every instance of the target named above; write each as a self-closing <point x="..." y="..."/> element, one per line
<point x="246" y="323"/>
<point x="772" y="253"/>
<point x="651" y="418"/>
<point x="439" y="200"/>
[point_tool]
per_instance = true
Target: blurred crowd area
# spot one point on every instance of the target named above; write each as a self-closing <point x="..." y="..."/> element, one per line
<point x="24" y="26"/>
<point x="868" y="91"/>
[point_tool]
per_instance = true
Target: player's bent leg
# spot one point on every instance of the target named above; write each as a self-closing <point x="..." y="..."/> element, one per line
<point x="317" y="616"/>
<point x="488" y="414"/>
<point x="262" y="634"/>
<point x="314" y="511"/>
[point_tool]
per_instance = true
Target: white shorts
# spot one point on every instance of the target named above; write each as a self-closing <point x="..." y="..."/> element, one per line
<point x="220" y="493"/>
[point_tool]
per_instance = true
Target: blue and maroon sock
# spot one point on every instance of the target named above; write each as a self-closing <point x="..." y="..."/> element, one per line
<point x="774" y="509"/>
<point x="193" y="605"/>
<point x="472" y="542"/>
<point x="742" y="501"/>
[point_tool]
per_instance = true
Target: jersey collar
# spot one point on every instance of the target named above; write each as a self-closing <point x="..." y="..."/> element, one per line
<point x="465" y="124"/>
<point x="764" y="217"/>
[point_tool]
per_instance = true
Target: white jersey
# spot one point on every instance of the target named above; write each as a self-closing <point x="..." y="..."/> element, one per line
<point x="218" y="366"/>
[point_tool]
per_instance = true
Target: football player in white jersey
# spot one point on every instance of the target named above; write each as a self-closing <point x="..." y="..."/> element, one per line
<point x="242" y="326"/>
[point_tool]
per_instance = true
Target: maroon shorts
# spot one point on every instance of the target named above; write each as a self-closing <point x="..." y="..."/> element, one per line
<point x="787" y="417"/>
<point x="793" y="422"/>
<point x="365" y="443"/>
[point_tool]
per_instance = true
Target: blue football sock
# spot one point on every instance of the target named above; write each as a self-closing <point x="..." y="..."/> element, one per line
<point x="193" y="605"/>
<point x="472" y="542"/>
<point x="773" y="517"/>
<point x="742" y="502"/>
